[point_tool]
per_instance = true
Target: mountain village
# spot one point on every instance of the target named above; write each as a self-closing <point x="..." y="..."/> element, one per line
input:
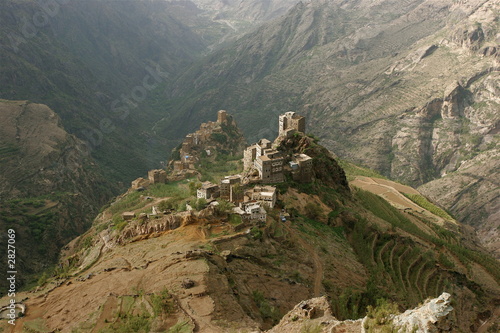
<point x="250" y="191"/>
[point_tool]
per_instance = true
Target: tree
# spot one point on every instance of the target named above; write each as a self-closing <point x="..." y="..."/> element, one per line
<point x="224" y="206"/>
<point x="193" y="187"/>
<point x="313" y="210"/>
<point x="200" y="204"/>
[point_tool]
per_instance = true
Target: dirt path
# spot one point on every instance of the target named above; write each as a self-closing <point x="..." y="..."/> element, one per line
<point x="318" y="265"/>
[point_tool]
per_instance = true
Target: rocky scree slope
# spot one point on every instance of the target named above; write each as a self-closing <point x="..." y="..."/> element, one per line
<point x="408" y="88"/>
<point x="50" y="187"/>
<point x="203" y="270"/>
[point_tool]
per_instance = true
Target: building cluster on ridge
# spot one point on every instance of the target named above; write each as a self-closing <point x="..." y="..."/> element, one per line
<point x="198" y="139"/>
<point x="263" y="164"/>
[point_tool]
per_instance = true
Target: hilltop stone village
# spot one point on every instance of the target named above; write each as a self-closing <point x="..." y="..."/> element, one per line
<point x="263" y="165"/>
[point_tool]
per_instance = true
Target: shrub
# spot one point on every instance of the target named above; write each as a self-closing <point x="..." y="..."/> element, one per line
<point x="313" y="210"/>
<point x="219" y="137"/>
<point x="266" y="310"/>
<point x="380" y="317"/>
<point x="200" y="204"/>
<point x="162" y="303"/>
<point x="171" y="203"/>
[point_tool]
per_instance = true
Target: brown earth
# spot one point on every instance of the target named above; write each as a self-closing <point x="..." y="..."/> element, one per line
<point x="392" y="192"/>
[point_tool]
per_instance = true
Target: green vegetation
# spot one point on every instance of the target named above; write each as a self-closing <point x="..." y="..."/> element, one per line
<point x="219" y="137"/>
<point x="313" y="210"/>
<point x="181" y="327"/>
<point x="410" y="277"/>
<point x="128" y="324"/>
<point x="267" y="311"/>
<point x="256" y="233"/>
<point x="176" y="192"/>
<point x="8" y="150"/>
<point x="178" y="189"/>
<point x="445" y="262"/>
<point x="128" y="202"/>
<point x="311" y="328"/>
<point x="200" y="204"/>
<point x="36" y="326"/>
<point x="380" y="317"/>
<point x="426" y="204"/>
<point x="214" y="169"/>
<point x="235" y="219"/>
<point x="171" y="203"/>
<point x="162" y="303"/>
<point x="224" y="206"/>
<point x="352" y="170"/>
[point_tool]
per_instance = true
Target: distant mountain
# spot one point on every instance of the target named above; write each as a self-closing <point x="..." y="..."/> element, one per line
<point x="218" y="20"/>
<point x="94" y="62"/>
<point x="409" y="88"/>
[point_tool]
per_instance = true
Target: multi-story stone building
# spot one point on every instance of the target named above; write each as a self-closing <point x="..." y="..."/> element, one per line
<point x="254" y="151"/>
<point x="270" y="167"/>
<point x="302" y="168"/>
<point x="230" y="189"/>
<point x="266" y="195"/>
<point x="289" y="122"/>
<point x="208" y="191"/>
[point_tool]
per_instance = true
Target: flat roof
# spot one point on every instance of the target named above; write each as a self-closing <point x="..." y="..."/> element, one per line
<point x="302" y="157"/>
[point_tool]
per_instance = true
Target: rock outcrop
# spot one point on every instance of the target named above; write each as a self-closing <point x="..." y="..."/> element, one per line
<point x="429" y="318"/>
<point x="315" y="315"/>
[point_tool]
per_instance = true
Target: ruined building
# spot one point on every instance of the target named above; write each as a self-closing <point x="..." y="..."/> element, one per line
<point x="291" y="122"/>
<point x="231" y="190"/>
<point x="157" y="176"/>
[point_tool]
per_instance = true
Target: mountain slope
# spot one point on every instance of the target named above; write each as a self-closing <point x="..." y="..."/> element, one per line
<point x="203" y="270"/>
<point x="406" y="88"/>
<point x="94" y="62"/>
<point x="50" y="187"/>
<point x="219" y="21"/>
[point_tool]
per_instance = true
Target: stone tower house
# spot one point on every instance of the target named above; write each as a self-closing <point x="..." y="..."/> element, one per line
<point x="291" y="121"/>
